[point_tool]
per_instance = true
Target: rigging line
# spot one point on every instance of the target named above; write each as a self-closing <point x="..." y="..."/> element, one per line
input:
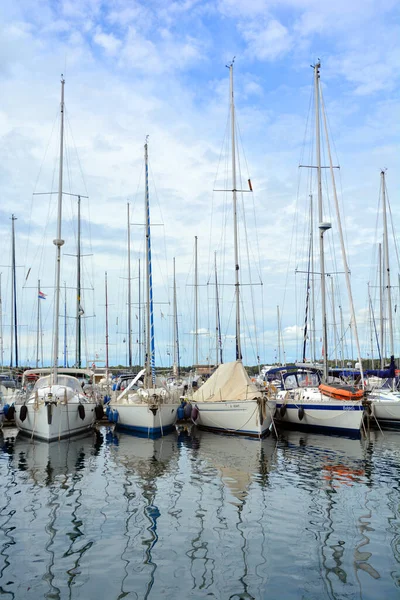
<point x="162" y="271"/>
<point x="222" y="154"/>
<point x="239" y="138"/>
<point x="55" y="121"/>
<point x="248" y="261"/>
<point x="392" y="224"/>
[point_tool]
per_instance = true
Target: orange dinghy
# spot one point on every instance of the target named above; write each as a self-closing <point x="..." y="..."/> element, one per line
<point x="341" y="392"/>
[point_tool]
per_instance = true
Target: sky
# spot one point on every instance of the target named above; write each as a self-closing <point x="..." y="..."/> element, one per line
<point x="158" y="69"/>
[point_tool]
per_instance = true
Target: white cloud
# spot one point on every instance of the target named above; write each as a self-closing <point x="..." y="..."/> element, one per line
<point x="107" y="41"/>
<point x="267" y="40"/>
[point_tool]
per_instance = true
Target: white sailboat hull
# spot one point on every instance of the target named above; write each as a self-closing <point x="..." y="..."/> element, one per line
<point x="312" y="411"/>
<point x="144" y="418"/>
<point x="386" y="407"/>
<point x="65" y="421"/>
<point x="55" y="413"/>
<point x="241" y="417"/>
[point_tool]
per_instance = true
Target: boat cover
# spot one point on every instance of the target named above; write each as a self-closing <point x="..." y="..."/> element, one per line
<point x="230" y="382"/>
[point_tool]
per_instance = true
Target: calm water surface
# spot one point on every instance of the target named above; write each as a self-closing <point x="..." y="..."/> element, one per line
<point x="198" y="515"/>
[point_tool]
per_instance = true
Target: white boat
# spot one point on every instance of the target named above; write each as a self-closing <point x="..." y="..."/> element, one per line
<point x="152" y="407"/>
<point x="57" y="407"/>
<point x="52" y="409"/>
<point x="383" y="383"/>
<point x="321" y="405"/>
<point x="228" y="401"/>
<point x="307" y="408"/>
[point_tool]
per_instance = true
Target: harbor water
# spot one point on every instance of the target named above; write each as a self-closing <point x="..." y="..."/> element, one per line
<point x="200" y="515"/>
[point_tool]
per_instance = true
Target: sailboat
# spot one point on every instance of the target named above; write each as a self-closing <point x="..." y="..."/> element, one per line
<point x="306" y="401"/>
<point x="146" y="405"/>
<point x="385" y="396"/>
<point x="229" y="401"/>
<point x="57" y="407"/>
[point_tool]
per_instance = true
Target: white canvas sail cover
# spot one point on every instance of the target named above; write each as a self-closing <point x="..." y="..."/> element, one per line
<point x="229" y="383"/>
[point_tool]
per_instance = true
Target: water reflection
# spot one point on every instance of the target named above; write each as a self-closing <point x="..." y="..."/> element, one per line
<point x="45" y="462"/>
<point x="200" y="515"/>
<point x="143" y="461"/>
<point x="45" y="516"/>
<point x="228" y="546"/>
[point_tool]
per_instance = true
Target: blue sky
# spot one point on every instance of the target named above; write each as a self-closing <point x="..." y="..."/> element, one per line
<point x="158" y="68"/>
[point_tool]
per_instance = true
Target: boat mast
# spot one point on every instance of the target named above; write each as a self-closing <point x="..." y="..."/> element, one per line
<point x="196" y="305"/>
<point x="150" y="350"/>
<point x="65" y="326"/>
<point x="176" y="367"/>
<point x="107" y="361"/>
<point x="235" y="223"/>
<point x="334" y="321"/>
<point x="312" y="336"/>
<point x="279" y="335"/>
<point x="14" y="325"/>
<point x="129" y="294"/>
<point x="78" y="292"/>
<point x="140" y="318"/>
<point x="387" y="264"/>
<point x="322" y="226"/>
<point x="38" y="325"/>
<point x="218" y="340"/>
<point x="58" y="242"/>
<point x="381" y="328"/>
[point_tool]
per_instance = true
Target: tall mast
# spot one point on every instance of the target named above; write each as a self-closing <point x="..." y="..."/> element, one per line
<point x="218" y="342"/>
<point x="78" y="293"/>
<point x="341" y="335"/>
<point x="334" y="321"/>
<point x="381" y="328"/>
<point x="196" y="305"/>
<point x="150" y="350"/>
<point x="58" y="242"/>
<point x="14" y="326"/>
<point x="140" y="317"/>
<point x="129" y="294"/>
<point x="312" y="336"/>
<point x="38" y="325"/>
<point x="107" y="361"/>
<point x="387" y="265"/>
<point x="322" y="226"/>
<point x="176" y="367"/>
<point x="235" y="224"/>
<point x="279" y="335"/>
<point x="65" y="325"/>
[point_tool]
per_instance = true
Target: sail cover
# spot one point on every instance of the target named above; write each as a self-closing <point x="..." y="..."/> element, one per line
<point x="229" y="383"/>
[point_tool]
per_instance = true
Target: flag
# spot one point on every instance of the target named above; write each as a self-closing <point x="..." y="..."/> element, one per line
<point x="41" y="295"/>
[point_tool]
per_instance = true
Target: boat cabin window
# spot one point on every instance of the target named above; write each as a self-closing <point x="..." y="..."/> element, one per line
<point x="307" y="379"/>
<point x="63" y="380"/>
<point x="301" y="380"/>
